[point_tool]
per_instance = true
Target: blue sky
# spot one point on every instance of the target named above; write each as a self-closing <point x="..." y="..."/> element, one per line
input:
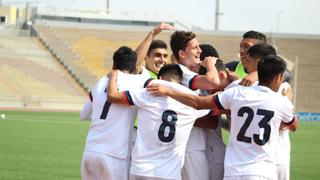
<point x="284" y="16"/>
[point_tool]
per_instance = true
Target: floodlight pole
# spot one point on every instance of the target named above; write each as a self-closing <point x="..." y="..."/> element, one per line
<point x="108" y="6"/>
<point x="217" y="16"/>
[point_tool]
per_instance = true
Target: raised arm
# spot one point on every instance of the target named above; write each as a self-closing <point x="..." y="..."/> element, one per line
<point x="114" y="96"/>
<point x="142" y="49"/>
<point x="211" y="79"/>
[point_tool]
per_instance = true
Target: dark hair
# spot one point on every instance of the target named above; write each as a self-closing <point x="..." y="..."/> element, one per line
<point x="156" y="44"/>
<point x="208" y="50"/>
<point x="269" y="67"/>
<point x="171" y="72"/>
<point x="261" y="50"/>
<point x="220" y="66"/>
<point x="124" y="58"/>
<point x="179" y="41"/>
<point x="255" y="35"/>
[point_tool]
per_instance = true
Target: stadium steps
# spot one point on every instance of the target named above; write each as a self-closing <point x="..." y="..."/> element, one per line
<point x="30" y="77"/>
<point x="61" y="50"/>
<point x="305" y="49"/>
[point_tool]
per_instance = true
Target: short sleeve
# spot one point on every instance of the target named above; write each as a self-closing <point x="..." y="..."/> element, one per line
<point x="188" y="77"/>
<point x="224" y="99"/>
<point x="136" y="97"/>
<point x="288" y="110"/>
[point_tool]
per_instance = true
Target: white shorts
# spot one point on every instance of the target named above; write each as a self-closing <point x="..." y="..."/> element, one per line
<point x="283" y="171"/>
<point x="195" y="166"/>
<point x="137" y="177"/>
<point x="246" y="177"/>
<point x="216" y="170"/>
<point x="100" y="166"/>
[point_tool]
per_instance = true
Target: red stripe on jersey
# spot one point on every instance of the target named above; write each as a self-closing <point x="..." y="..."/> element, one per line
<point x="191" y="83"/>
<point x="216" y="105"/>
<point x="124" y="96"/>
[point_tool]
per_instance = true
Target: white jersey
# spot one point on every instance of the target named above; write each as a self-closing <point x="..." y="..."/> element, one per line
<point x="111" y="124"/>
<point x="256" y="113"/>
<point x="197" y="136"/>
<point x="164" y="128"/>
<point x="284" y="147"/>
<point x="188" y="77"/>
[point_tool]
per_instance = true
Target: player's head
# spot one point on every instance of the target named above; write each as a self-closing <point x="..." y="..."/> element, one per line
<point x="271" y="70"/>
<point x="255" y="53"/>
<point x="157" y="56"/>
<point x="249" y="39"/>
<point x="124" y="59"/>
<point x="185" y="48"/>
<point x="171" y="72"/>
<point x="208" y="50"/>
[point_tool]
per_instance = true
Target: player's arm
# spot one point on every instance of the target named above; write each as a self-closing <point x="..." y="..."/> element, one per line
<point x="114" y="96"/>
<point x="208" y="121"/>
<point x="292" y="125"/>
<point x="86" y="111"/>
<point x="142" y="49"/>
<point x="211" y="79"/>
<point x="197" y="102"/>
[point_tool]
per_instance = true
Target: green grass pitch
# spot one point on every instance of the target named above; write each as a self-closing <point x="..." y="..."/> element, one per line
<point x="48" y="145"/>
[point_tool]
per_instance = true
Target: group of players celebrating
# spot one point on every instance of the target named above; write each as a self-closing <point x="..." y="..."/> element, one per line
<point x="155" y="120"/>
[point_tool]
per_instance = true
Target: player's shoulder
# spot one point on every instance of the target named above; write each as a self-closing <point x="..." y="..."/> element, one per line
<point x="173" y="85"/>
<point x="101" y="83"/>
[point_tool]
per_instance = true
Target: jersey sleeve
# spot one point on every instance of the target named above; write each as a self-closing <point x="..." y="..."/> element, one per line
<point x="135" y="97"/>
<point x="188" y="77"/>
<point x="288" y="111"/>
<point x="223" y="100"/>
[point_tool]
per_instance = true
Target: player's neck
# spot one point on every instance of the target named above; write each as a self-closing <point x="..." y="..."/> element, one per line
<point x="272" y="86"/>
<point x="126" y="71"/>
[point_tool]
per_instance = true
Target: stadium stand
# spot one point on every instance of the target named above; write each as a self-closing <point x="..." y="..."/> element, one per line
<point x="93" y="47"/>
<point x="30" y="77"/>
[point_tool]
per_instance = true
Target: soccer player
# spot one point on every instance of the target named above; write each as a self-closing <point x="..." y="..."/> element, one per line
<point x="284" y="145"/>
<point x="164" y="127"/>
<point x="215" y="148"/>
<point x="106" y="154"/>
<point x="256" y="115"/>
<point x="249" y="39"/>
<point x="153" y="52"/>
<point x="186" y="51"/>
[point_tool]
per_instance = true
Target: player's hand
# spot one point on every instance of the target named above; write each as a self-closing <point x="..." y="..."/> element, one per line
<point x="288" y="93"/>
<point x="232" y="76"/>
<point x="157" y="90"/>
<point x="283" y="126"/>
<point x="250" y="79"/>
<point x="161" y="27"/>
<point x="209" y="61"/>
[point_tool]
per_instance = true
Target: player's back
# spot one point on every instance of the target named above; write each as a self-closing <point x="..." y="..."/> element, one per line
<point x="164" y="128"/>
<point x="111" y="124"/>
<point x="256" y="113"/>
